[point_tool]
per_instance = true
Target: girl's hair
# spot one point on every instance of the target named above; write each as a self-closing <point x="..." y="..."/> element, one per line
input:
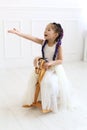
<point x="58" y="29"/>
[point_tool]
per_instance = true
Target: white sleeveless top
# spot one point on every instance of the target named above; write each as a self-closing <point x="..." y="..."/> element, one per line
<point x="49" y="51"/>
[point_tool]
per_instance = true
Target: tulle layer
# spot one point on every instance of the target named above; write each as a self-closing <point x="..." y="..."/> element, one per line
<point x="55" y="90"/>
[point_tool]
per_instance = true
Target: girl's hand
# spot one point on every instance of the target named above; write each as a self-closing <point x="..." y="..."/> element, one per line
<point x="47" y="65"/>
<point x="14" y="31"/>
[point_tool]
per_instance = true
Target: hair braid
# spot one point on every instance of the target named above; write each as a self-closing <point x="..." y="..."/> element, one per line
<point x="59" y="30"/>
<point x="45" y="42"/>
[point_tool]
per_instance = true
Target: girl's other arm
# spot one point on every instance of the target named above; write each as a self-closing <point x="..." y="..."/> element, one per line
<point x="26" y="36"/>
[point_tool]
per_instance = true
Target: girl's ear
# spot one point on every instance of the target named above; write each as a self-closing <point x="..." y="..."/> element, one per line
<point x="56" y="35"/>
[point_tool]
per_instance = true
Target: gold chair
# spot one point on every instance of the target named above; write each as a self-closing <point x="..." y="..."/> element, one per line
<point x="40" y="71"/>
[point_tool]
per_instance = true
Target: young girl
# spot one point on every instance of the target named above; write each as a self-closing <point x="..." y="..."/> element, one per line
<point x="54" y="85"/>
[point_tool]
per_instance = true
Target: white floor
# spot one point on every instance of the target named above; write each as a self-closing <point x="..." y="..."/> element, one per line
<point x="13" y="84"/>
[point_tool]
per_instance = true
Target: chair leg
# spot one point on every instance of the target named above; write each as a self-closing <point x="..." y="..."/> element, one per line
<point x="38" y="104"/>
<point x="35" y="103"/>
<point x="36" y="92"/>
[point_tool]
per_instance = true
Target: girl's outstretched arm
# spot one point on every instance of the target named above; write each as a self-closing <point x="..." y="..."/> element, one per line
<point x="26" y="36"/>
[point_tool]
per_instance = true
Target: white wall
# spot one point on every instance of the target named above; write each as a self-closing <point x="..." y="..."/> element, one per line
<point x="15" y="51"/>
<point x="40" y="3"/>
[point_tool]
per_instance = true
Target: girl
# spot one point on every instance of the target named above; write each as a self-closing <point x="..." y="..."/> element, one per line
<point x="54" y="85"/>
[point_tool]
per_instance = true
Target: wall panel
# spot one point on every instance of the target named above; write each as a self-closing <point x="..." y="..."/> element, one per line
<point x="16" y="51"/>
<point x="12" y="43"/>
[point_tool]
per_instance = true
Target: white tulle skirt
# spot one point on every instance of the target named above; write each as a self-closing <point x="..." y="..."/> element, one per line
<point x="55" y="90"/>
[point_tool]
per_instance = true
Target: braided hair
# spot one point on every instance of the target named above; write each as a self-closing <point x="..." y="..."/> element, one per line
<point x="58" y="29"/>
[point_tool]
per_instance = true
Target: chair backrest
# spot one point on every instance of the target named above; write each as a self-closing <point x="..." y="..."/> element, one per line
<point x="39" y="69"/>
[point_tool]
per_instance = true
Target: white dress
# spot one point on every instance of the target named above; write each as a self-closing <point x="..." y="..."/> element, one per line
<point x="54" y="89"/>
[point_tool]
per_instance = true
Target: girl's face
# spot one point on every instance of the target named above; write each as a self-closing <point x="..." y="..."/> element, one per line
<point x="49" y="33"/>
